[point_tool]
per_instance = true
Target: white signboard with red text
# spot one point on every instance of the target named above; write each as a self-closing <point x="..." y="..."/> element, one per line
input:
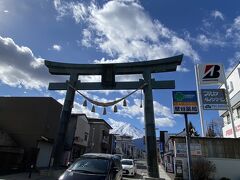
<point x="210" y="74"/>
<point x="228" y="131"/>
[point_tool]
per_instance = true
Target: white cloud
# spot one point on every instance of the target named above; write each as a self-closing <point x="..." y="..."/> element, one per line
<point x="79" y="11"/>
<point x="205" y="41"/>
<point x="236" y="24"/>
<point x="183" y="46"/>
<point x="78" y="108"/>
<point x="116" y="60"/>
<point x="227" y="35"/>
<point x="57" y="47"/>
<point x="163" y="114"/>
<point x="56" y="3"/>
<point x="164" y="122"/>
<point x="217" y="14"/>
<point x="93" y="78"/>
<point x="76" y="9"/>
<point x="5" y="11"/>
<point x="61" y="9"/>
<point x="20" y="68"/>
<point x="182" y="69"/>
<point x="162" y="110"/>
<point x="233" y="32"/>
<point x="233" y="62"/>
<point x="86" y="38"/>
<point x="124" y="31"/>
<point x="132" y="111"/>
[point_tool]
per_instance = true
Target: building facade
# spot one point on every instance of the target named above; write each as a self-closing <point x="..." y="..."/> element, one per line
<point x="99" y="139"/>
<point x="223" y="153"/>
<point x="233" y="82"/>
<point x="125" y="146"/>
<point x="32" y="123"/>
<point x="77" y="137"/>
<point x="11" y="155"/>
<point x="29" y="127"/>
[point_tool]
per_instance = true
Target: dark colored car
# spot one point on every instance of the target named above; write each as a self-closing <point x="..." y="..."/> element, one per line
<point x="94" y="166"/>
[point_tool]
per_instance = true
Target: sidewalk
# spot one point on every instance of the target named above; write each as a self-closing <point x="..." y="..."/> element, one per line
<point x="163" y="174"/>
<point x="24" y="176"/>
<point x="44" y="175"/>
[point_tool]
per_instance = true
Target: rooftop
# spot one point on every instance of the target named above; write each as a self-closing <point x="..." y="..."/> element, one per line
<point x="96" y="120"/>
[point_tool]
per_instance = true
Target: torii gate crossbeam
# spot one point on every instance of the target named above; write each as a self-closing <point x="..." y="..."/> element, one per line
<point x="108" y="72"/>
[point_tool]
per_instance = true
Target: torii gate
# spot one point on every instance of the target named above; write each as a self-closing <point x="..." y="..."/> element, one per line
<point x="108" y="72"/>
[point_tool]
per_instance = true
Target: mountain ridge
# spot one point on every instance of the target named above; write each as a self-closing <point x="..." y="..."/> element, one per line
<point x="124" y="128"/>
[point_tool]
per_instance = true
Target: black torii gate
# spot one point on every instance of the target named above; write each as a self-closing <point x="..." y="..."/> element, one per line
<point x="108" y="72"/>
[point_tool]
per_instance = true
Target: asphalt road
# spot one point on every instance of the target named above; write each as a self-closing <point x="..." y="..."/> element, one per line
<point x="141" y="171"/>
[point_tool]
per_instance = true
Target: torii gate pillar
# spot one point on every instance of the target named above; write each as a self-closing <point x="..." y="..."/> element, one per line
<point x="65" y="116"/>
<point x="150" y="133"/>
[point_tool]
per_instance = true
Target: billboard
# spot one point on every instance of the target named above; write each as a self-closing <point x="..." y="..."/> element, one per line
<point x="185" y="102"/>
<point x="181" y="149"/>
<point x="210" y="74"/>
<point x="214" y="99"/>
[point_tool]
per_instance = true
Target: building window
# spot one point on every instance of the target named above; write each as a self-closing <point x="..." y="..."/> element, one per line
<point x="168" y="159"/>
<point x="228" y="119"/>
<point x="238" y="112"/>
<point x="230" y="87"/>
<point x="85" y="136"/>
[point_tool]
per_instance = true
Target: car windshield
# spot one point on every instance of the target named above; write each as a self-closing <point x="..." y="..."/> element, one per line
<point x="90" y="165"/>
<point x="118" y="156"/>
<point x="127" y="162"/>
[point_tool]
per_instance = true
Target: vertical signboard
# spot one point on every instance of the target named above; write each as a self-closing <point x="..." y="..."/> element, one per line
<point x="185" y="102"/>
<point x="162" y="139"/>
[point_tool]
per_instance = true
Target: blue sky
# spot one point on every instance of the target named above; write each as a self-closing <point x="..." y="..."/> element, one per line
<point x="115" y="31"/>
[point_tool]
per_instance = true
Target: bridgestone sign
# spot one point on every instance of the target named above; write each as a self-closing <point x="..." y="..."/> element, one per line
<point x="214" y="99"/>
<point x="210" y="74"/>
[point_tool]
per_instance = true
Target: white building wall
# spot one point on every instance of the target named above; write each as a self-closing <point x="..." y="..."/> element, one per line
<point x="228" y="168"/>
<point x="82" y="129"/>
<point x="225" y="167"/>
<point x="227" y="129"/>
<point x="233" y="81"/>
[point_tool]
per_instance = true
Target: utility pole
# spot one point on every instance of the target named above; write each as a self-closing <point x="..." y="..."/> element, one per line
<point x="189" y="157"/>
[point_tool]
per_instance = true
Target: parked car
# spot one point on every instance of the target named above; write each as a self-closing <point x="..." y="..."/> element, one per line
<point x="129" y="167"/>
<point x="94" y="166"/>
<point x="119" y="156"/>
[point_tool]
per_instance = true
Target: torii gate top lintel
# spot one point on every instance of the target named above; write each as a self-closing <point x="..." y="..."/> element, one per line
<point x="153" y="66"/>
